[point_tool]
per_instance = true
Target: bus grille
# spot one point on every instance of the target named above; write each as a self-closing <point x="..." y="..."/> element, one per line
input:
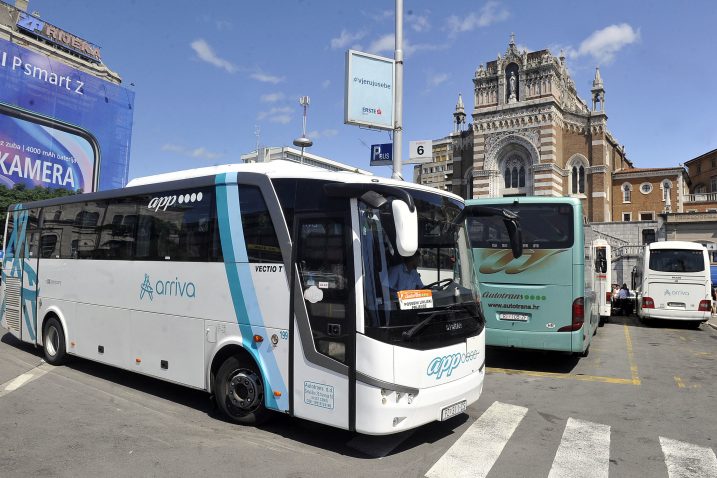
<point x="13" y="286"/>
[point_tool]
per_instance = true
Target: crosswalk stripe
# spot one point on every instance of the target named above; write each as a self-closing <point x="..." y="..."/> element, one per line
<point x="476" y="451"/>
<point x="584" y="451"/>
<point x="685" y="460"/>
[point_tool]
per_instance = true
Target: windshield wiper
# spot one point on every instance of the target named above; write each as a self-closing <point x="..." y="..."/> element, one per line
<point x="408" y="334"/>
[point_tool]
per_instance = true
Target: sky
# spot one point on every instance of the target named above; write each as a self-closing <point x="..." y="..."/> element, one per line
<point x="209" y="75"/>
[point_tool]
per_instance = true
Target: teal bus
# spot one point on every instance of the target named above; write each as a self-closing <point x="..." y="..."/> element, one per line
<point x="544" y="299"/>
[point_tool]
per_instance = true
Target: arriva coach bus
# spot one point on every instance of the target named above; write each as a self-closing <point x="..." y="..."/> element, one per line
<point x="544" y="299"/>
<point x="266" y="285"/>
<point x="672" y="281"/>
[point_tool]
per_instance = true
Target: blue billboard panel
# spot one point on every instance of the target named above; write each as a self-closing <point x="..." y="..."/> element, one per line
<point x="59" y="126"/>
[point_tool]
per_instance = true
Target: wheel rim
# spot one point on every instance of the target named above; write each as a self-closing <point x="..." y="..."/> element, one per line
<point x="245" y="391"/>
<point x="52" y="341"/>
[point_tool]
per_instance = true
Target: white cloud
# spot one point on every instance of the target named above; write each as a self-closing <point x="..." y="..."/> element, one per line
<point x="387" y="44"/>
<point x="205" y="53"/>
<point x="345" y="39"/>
<point x="604" y="44"/>
<point x="383" y="44"/>
<point x="327" y="133"/>
<point x="380" y="16"/>
<point x="281" y="115"/>
<point x="272" y="97"/>
<point x="325" y="84"/>
<point x="436" y="79"/>
<point x="200" y="153"/>
<point x="418" y="23"/>
<point x="492" y="12"/>
<point x="265" y="78"/>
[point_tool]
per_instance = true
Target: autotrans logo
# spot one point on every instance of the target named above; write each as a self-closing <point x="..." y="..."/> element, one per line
<point x="444" y="366"/>
<point x="169" y="288"/>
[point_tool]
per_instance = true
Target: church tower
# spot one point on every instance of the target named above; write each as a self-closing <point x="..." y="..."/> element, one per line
<point x="598" y="91"/>
<point x="459" y="115"/>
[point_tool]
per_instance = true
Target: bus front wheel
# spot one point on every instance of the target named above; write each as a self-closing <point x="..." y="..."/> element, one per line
<point x="53" y="342"/>
<point x="239" y="392"/>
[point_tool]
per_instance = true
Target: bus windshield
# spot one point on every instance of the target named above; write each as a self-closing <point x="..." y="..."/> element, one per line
<point x="544" y="226"/>
<point x="676" y="260"/>
<point x="426" y="300"/>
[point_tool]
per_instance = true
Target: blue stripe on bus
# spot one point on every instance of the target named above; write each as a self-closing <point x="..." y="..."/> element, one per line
<point x="241" y="286"/>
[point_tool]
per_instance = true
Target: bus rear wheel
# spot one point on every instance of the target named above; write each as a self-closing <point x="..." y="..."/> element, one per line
<point x="239" y="392"/>
<point x="53" y="342"/>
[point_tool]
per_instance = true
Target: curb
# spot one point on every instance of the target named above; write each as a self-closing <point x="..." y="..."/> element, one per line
<point x="712" y="324"/>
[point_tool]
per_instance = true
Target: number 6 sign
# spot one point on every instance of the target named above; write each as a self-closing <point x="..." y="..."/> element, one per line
<point x="420" y="151"/>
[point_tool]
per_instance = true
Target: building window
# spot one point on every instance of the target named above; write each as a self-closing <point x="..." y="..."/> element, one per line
<point x="700" y="189"/>
<point x="666" y="186"/>
<point x="713" y="184"/>
<point x="578" y="179"/>
<point x="645" y="188"/>
<point x="626" y="193"/>
<point x="647" y="216"/>
<point x="627" y="216"/>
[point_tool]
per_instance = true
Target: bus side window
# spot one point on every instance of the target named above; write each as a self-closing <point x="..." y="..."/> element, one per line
<point x="52" y="231"/>
<point x="262" y="245"/>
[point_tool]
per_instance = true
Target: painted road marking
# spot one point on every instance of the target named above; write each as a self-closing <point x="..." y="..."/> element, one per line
<point x="631" y="356"/>
<point x="476" y="451"/>
<point x="569" y="376"/>
<point x="21" y="380"/>
<point x="685" y="460"/>
<point x="679" y="382"/>
<point x="584" y="451"/>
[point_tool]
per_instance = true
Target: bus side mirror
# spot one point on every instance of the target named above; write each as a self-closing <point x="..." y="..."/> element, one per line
<point x="516" y="237"/>
<point x="406" y="222"/>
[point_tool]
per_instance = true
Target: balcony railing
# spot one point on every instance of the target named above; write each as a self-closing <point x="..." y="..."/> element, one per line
<point x="701" y="197"/>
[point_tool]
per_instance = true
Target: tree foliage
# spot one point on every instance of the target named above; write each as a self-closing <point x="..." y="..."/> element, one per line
<point x="21" y="194"/>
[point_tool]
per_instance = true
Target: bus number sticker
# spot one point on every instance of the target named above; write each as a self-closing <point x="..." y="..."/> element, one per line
<point x="415" y="299"/>
<point x="319" y="395"/>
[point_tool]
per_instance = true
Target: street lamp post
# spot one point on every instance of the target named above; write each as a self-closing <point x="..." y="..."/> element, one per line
<point x="303" y="141"/>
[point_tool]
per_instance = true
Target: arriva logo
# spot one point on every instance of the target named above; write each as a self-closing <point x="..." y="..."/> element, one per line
<point x="172" y="288"/>
<point x="670" y="293"/>
<point x="448" y="363"/>
<point x="164" y="202"/>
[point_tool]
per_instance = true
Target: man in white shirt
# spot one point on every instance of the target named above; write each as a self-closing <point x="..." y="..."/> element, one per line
<point x="404" y="276"/>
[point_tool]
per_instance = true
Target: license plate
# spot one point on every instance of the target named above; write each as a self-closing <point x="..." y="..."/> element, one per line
<point x="514" y="317"/>
<point x="453" y="410"/>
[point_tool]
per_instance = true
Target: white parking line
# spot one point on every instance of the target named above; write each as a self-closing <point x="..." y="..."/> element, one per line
<point x="584" y="451"/>
<point x="476" y="451"/>
<point x="685" y="460"/>
<point x="27" y="377"/>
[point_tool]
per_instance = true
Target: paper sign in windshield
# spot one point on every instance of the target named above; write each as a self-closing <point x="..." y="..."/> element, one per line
<point x="415" y="299"/>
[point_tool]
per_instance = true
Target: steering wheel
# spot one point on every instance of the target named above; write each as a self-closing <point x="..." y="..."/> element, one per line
<point x="440" y="285"/>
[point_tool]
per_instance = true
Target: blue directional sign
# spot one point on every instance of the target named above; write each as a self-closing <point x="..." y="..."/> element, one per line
<point x="382" y="154"/>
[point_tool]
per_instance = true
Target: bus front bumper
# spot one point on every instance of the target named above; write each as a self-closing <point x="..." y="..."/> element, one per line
<point x="383" y="412"/>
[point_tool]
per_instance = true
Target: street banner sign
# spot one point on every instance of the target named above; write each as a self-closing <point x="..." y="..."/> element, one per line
<point x="369" y="97"/>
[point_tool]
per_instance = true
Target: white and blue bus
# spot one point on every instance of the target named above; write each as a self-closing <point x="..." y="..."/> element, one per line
<point x="266" y="285"/>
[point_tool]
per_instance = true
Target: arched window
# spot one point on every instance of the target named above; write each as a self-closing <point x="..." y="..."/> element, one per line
<point x="666" y="186"/>
<point x="507" y="177"/>
<point x="521" y="177"/>
<point x="514" y="178"/>
<point x="626" y="193"/>
<point x="578" y="179"/>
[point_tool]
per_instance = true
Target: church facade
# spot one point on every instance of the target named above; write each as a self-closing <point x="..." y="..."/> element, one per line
<point x="531" y="134"/>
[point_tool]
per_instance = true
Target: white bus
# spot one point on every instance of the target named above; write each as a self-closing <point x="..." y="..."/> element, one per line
<point x="602" y="253"/>
<point x="672" y="281"/>
<point x="265" y="285"/>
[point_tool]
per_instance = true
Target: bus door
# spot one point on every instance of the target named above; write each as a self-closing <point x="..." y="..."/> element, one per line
<point x="324" y="329"/>
<point x="20" y="274"/>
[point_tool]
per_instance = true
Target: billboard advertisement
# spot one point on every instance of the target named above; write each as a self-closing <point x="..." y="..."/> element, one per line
<point x="369" y="97"/>
<point x="61" y="127"/>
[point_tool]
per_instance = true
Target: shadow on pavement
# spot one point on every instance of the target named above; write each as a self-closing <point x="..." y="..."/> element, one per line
<point x="634" y="321"/>
<point x="531" y="360"/>
<point x="292" y="428"/>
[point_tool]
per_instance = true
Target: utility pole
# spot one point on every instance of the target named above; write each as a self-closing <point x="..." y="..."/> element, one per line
<point x="303" y="142"/>
<point x="398" y="124"/>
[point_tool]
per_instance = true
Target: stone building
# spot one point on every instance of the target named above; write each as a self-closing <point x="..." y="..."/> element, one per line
<point x="702" y="171"/>
<point x="640" y="194"/>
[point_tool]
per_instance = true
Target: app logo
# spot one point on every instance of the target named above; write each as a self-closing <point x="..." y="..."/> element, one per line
<point x="445" y="365"/>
